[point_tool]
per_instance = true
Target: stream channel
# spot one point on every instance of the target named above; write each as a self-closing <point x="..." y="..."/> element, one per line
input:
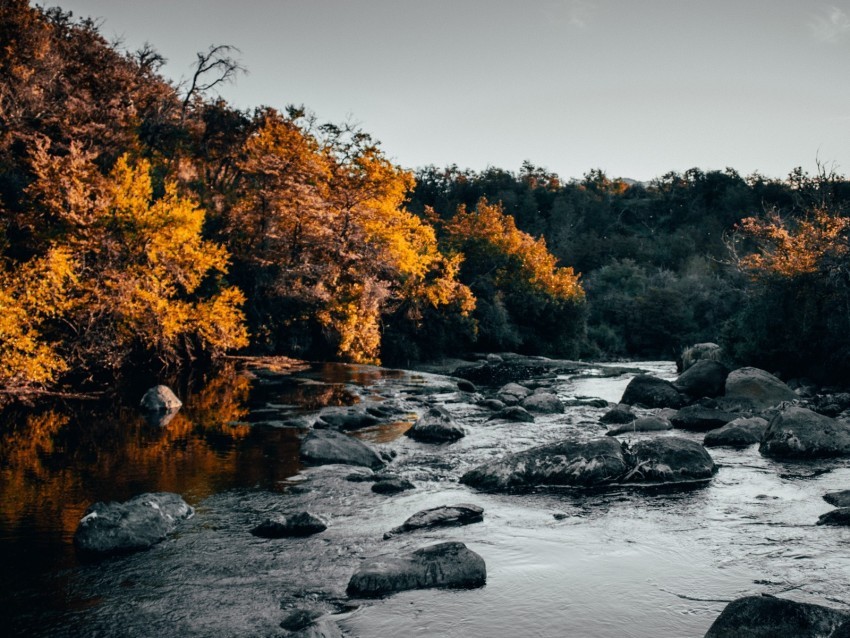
<point x="612" y="563"/>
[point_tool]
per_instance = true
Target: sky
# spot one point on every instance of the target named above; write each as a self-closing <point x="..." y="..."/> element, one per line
<point x="637" y="88"/>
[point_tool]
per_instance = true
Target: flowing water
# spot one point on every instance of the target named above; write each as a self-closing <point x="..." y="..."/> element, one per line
<point x="620" y="562"/>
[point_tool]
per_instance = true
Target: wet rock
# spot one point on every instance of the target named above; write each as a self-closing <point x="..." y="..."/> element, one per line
<point x="838" y="517"/>
<point x="384" y="410"/>
<point x="740" y="432"/>
<point x="436" y="426"/>
<point x="651" y="392"/>
<point x="323" y="447"/>
<point x="697" y="418"/>
<point x="306" y="623"/>
<point x="831" y="404"/>
<point x="443" y="565"/>
<point x="706" y="378"/>
<point x="392" y="486"/>
<point x="591" y="402"/>
<point x="466" y="386"/>
<point x="514" y="413"/>
<point x="769" y="617"/>
<point x="137" y="524"/>
<point x="347" y="420"/>
<point x="701" y="352"/>
<point x="363" y="477"/>
<point x="512" y="393"/>
<point x="160" y="399"/>
<point x="300" y="619"/>
<point x="839" y="499"/>
<point x="289" y="525"/>
<point x="620" y="413"/>
<point x="543" y="402"/>
<point x="644" y="424"/>
<point x="799" y="433"/>
<point x="669" y="459"/>
<point x="570" y="462"/>
<point x="492" y="404"/>
<point x="756" y="389"/>
<point x="443" y="516"/>
<point x="497" y="373"/>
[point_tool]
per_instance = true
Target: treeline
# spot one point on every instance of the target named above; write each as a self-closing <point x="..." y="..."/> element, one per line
<point x="144" y="223"/>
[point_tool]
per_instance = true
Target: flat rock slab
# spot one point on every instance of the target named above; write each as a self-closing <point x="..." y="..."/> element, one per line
<point x="137" y="524"/>
<point x="768" y="617"/>
<point x="652" y="392"/>
<point x="324" y="447"/>
<point x="839" y="499"/>
<point x="738" y="433"/>
<point x="669" y="459"/>
<point x="839" y="517"/>
<point x="643" y="424"/>
<point x="756" y="389"/>
<point x="443" y="516"/>
<point x="290" y="525"/>
<point x="445" y="565"/>
<point x="347" y="420"/>
<point x="436" y="426"/>
<point x="799" y="433"/>
<point x="697" y="418"/>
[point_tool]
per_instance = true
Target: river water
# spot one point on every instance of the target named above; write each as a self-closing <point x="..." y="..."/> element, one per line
<point x="619" y="563"/>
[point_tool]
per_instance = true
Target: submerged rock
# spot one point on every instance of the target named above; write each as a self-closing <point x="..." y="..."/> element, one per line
<point x="436" y="426"/>
<point x="643" y="424"/>
<point x="840" y="517"/>
<point x="543" y="402"/>
<point x="839" y="499"/>
<point x="669" y="459"/>
<point x="652" y="392"/>
<point x="287" y="525"/>
<point x="706" y="378"/>
<point x="799" y="433"/>
<point x="755" y="389"/>
<point x="443" y="516"/>
<point x="514" y="413"/>
<point x="697" y="418"/>
<point x="323" y="447"/>
<point x="769" y="617"/>
<point x="137" y="524"/>
<point x="740" y="432"/>
<point x="392" y="486"/>
<point x="443" y="565"/>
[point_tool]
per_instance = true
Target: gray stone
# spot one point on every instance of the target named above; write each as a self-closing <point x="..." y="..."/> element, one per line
<point x="651" y="392"/>
<point x="443" y="516"/>
<point x="137" y="524"/>
<point x="323" y="447"/>
<point x="436" y="426"/>
<point x="514" y="413"/>
<point x="669" y="459"/>
<point x="512" y="393"/>
<point x="543" y="402"/>
<point x="838" y="517"/>
<point x="160" y="399"/>
<point x="769" y="617"/>
<point x="466" y="386"/>
<point x="348" y="419"/>
<point x="740" y="432"/>
<point x="643" y="424"/>
<point x="492" y="404"/>
<point x="839" y="499"/>
<point x="392" y="486"/>
<point x="706" y="378"/>
<point x="620" y="413"/>
<point x="697" y="418"/>
<point x="445" y="565"/>
<point x="700" y="352"/>
<point x="756" y="389"/>
<point x="799" y="433"/>
<point x="288" y="525"/>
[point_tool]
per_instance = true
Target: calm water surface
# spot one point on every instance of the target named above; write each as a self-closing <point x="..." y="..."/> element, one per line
<point x="615" y="563"/>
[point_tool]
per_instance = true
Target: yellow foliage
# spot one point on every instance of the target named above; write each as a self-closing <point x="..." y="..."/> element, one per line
<point x="790" y="252"/>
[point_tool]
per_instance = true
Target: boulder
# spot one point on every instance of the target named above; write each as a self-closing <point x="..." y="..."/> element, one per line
<point x="543" y="402"/>
<point x="700" y="419"/>
<point x="160" y="398"/>
<point x="392" y="486"/>
<point x="839" y="499"/>
<point x="436" y="426"/>
<point x="323" y="447"/>
<point x="491" y="404"/>
<point x="755" y="389"/>
<point x="288" y="525"/>
<point x="570" y="462"/>
<point x="669" y="459"/>
<point x="514" y="413"/>
<point x="799" y="433"/>
<point x="466" y="386"/>
<point x="740" y="432"/>
<point x="443" y="516"/>
<point x="706" y="378"/>
<point x="591" y="402"/>
<point x="701" y="352"/>
<point x="137" y="524"/>
<point x="443" y="565"/>
<point x="651" y="392"/>
<point x="838" y="517"/>
<point x="347" y="420"/>
<point x="620" y="413"/>
<point x="512" y="393"/>
<point x="769" y="617"/>
<point x="643" y="424"/>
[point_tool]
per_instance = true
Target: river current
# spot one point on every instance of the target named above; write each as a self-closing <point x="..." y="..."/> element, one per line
<point x="635" y="563"/>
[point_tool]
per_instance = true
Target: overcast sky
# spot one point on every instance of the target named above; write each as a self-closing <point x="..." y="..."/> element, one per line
<point x="635" y="87"/>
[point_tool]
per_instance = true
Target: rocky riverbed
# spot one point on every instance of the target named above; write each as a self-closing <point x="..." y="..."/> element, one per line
<point x="615" y="559"/>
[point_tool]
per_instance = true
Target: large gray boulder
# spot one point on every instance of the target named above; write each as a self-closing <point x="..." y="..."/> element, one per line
<point x="652" y="392"/>
<point x="741" y="432"/>
<point x="669" y="459"/>
<point x="701" y="352"/>
<point x="443" y="565"/>
<point x="799" y="433"/>
<point x="512" y="393"/>
<point x="755" y="389"/>
<point x="620" y="413"/>
<point x="706" y="378"/>
<point x="160" y="398"/>
<point x="769" y="617"/>
<point x="697" y="418"/>
<point x="543" y="402"/>
<point x="137" y="524"/>
<point x="515" y="413"/>
<point x="289" y="525"/>
<point x="643" y="424"/>
<point x="443" y="516"/>
<point x="570" y="462"/>
<point x="436" y="426"/>
<point x="324" y="447"/>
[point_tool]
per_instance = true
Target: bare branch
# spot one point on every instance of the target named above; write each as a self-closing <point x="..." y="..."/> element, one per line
<point x="214" y="66"/>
